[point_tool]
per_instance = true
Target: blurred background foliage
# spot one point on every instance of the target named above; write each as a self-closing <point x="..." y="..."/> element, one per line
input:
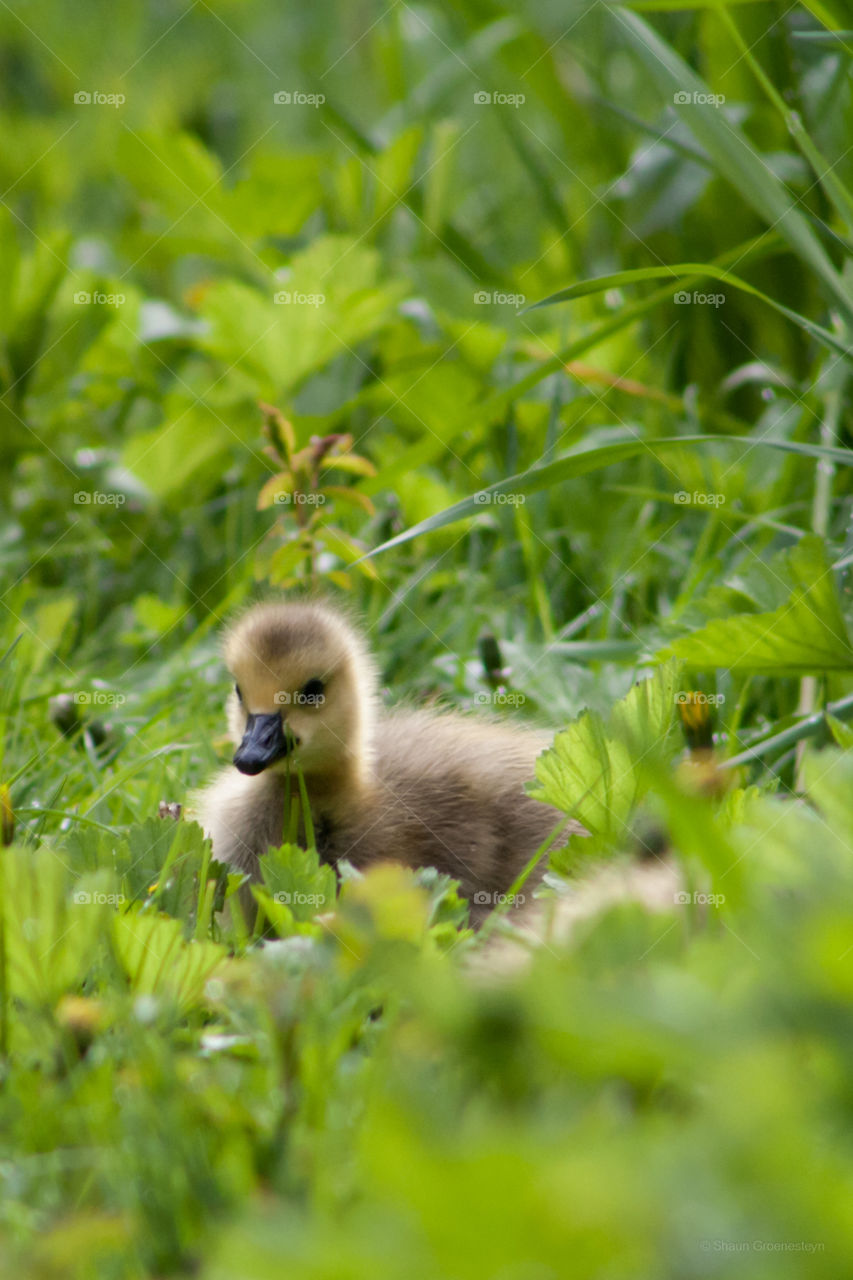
<point x="215" y="216"/>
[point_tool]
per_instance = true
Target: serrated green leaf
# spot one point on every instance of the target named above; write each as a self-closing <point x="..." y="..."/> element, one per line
<point x="596" y="769"/>
<point x="172" y="455"/>
<point x="157" y="860"/>
<point x="807" y="634"/>
<point x="297" y="879"/>
<point x="333" y="299"/>
<point x="158" y="960"/>
<point x="51" y="934"/>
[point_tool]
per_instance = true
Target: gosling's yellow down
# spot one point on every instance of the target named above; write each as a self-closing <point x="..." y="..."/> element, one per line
<point x="423" y="788"/>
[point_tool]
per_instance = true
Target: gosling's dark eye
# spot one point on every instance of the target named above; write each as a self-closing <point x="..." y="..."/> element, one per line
<point x="312" y="692"/>
<point x="238" y="693"/>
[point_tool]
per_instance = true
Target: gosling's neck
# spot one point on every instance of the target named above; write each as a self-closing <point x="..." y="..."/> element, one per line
<point x="344" y="786"/>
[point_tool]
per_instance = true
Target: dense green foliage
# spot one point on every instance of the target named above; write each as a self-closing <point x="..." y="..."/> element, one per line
<point x="269" y="280"/>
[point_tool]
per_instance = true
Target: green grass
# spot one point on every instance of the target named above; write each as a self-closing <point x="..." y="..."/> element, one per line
<point x="594" y="346"/>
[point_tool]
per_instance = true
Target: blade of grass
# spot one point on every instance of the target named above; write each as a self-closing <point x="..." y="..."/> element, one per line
<point x="585" y="461"/>
<point x="735" y="158"/>
<point x="835" y="189"/>
<point x="750" y="251"/>
<point x="676" y="272"/>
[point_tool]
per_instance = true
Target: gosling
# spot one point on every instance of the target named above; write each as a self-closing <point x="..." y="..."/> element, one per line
<point x="423" y="788"/>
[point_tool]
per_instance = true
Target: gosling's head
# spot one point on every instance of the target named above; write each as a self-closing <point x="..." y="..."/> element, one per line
<point x="304" y="688"/>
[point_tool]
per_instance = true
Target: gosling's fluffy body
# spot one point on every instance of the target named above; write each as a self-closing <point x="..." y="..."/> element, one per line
<point x="417" y="787"/>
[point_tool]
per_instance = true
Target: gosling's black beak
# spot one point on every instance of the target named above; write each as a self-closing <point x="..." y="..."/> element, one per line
<point x="263" y="742"/>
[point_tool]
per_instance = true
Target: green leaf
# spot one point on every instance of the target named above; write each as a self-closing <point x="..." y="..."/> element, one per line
<point x="841" y="732"/>
<point x="331" y="299"/>
<point x="169" y="459"/>
<point x="807" y="634"/>
<point x="351" y="497"/>
<point x="158" y="859"/>
<point x="280" y="484"/>
<point x="280" y="565"/>
<point x="158" y="961"/>
<point x="596" y="769"/>
<point x="51" y="935"/>
<point x="347" y="549"/>
<point x="352" y="462"/>
<point x="297" y="879"/>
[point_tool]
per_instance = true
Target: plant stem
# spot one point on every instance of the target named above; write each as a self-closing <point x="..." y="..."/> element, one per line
<point x="805" y="728"/>
<point x="821" y="504"/>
